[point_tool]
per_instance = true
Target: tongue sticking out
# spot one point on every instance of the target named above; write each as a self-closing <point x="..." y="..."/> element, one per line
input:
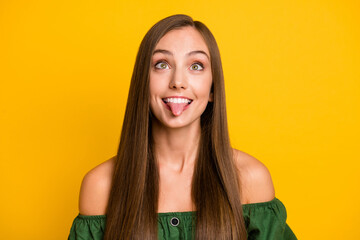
<point x="177" y="108"/>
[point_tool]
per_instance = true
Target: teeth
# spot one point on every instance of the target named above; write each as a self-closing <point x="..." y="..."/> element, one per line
<point x="177" y="100"/>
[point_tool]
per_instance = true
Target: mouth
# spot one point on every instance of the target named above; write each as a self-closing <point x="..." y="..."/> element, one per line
<point x="177" y="105"/>
<point x="177" y="100"/>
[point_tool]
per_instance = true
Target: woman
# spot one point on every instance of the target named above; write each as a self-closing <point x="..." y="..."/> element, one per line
<point x="175" y="175"/>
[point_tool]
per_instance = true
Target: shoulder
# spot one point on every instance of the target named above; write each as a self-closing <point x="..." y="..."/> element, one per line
<point x="255" y="179"/>
<point x="95" y="189"/>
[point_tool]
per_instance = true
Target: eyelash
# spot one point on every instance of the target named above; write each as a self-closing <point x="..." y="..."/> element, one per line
<point x="163" y="61"/>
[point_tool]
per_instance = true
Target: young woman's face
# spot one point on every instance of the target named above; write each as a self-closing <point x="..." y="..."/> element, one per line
<point x="180" y="78"/>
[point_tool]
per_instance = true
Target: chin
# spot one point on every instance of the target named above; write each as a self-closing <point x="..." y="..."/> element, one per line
<point x="175" y="123"/>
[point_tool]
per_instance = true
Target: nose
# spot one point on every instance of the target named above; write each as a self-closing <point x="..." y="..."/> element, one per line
<point x="178" y="80"/>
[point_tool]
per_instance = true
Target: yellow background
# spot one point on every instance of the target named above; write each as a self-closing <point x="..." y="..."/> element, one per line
<point x="292" y="75"/>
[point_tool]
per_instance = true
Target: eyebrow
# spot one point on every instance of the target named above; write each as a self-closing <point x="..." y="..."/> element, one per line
<point x="188" y="54"/>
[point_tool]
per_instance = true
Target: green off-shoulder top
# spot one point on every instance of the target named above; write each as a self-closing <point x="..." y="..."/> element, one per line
<point x="263" y="221"/>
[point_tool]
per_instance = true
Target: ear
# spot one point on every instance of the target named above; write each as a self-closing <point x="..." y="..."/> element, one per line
<point x="211" y="97"/>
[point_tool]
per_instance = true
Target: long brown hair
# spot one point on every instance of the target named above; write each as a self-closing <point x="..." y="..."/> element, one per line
<point x="133" y="202"/>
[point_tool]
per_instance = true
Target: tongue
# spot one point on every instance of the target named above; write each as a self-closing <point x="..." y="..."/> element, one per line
<point x="177" y="108"/>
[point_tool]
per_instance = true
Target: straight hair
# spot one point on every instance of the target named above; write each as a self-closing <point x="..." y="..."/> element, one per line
<point x="215" y="190"/>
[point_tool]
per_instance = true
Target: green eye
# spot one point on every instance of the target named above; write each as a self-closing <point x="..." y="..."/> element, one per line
<point x="196" y="66"/>
<point x="161" y="65"/>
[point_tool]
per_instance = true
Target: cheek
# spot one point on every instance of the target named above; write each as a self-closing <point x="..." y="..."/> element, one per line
<point x="203" y="86"/>
<point x="154" y="86"/>
<point x="158" y="82"/>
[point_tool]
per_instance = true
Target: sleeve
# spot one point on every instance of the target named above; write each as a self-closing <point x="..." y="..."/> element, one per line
<point x="267" y="221"/>
<point x="88" y="227"/>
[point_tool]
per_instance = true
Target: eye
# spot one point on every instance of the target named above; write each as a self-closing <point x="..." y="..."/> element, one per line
<point x="161" y="65"/>
<point x="197" y="66"/>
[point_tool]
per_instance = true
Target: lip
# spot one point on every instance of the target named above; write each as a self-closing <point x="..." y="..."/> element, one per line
<point x="178" y="97"/>
<point x="167" y="106"/>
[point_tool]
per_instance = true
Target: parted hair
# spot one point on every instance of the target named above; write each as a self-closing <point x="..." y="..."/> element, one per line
<point x="215" y="190"/>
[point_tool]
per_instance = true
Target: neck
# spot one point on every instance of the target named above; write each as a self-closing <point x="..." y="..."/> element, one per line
<point x="176" y="147"/>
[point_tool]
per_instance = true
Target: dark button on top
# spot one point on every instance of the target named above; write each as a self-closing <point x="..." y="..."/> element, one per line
<point x="174" y="221"/>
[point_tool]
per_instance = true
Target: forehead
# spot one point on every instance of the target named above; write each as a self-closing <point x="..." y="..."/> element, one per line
<point x="183" y="39"/>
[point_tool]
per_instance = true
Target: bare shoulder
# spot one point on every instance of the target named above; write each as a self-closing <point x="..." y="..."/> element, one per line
<point x="95" y="189"/>
<point x="255" y="178"/>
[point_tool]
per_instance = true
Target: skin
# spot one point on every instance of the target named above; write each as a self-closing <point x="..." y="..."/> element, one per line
<point x="177" y="137"/>
<point x="176" y="73"/>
